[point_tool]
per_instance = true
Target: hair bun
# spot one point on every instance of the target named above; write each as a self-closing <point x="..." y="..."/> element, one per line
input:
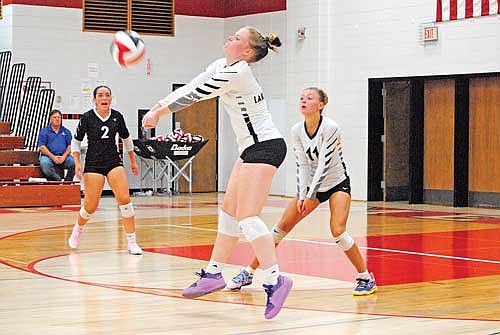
<point x="273" y="41"/>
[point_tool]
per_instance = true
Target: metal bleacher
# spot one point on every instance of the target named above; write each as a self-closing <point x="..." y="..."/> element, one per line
<point x="25" y="104"/>
<point x="24" y="109"/>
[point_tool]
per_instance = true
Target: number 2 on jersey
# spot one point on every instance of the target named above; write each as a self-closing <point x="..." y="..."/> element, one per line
<point x="105" y="132"/>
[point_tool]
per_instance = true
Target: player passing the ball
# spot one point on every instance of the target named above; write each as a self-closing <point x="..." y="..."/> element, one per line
<point x="262" y="149"/>
<point x="102" y="161"/>
<point x="321" y="176"/>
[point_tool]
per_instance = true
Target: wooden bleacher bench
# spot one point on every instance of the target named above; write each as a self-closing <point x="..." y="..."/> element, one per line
<point x="18" y="166"/>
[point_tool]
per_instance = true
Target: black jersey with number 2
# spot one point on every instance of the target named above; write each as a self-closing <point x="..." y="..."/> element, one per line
<point x="101" y="136"/>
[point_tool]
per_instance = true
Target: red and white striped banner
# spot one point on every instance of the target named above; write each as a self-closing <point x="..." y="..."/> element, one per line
<point x="463" y="9"/>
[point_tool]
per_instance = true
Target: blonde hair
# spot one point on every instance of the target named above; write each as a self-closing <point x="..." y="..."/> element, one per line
<point x="261" y="44"/>
<point x="323" y="97"/>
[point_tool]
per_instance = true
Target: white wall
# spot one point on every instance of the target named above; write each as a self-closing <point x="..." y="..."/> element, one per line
<point x="350" y="41"/>
<point x="347" y="42"/>
<point x="6" y="28"/>
<point x="271" y="74"/>
<point x="51" y="42"/>
<point x="54" y="47"/>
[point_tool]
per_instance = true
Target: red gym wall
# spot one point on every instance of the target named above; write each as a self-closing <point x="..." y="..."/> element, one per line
<point x="207" y="8"/>
<point x="47" y="3"/>
<point x="247" y="7"/>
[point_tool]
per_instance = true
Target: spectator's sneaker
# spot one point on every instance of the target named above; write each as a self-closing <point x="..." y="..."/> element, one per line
<point x="207" y="283"/>
<point x="74" y="239"/>
<point x="276" y="296"/>
<point x="134" y="249"/>
<point x="241" y="279"/>
<point x="365" y="286"/>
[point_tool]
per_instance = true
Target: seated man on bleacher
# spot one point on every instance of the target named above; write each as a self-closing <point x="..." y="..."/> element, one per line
<point x="54" y="142"/>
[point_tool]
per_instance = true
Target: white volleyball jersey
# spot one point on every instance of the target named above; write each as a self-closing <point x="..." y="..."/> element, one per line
<point x="320" y="165"/>
<point x="241" y="95"/>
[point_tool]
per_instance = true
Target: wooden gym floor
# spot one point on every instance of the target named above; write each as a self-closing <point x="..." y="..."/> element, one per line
<point x="437" y="268"/>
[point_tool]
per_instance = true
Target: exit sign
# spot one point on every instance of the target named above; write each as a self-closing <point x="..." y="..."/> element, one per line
<point x="430" y="34"/>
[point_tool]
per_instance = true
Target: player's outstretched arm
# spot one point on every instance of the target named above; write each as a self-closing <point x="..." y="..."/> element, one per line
<point x="151" y="118"/>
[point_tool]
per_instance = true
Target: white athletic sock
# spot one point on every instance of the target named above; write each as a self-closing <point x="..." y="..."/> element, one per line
<point x="249" y="269"/>
<point x="271" y="275"/>
<point x="214" y="267"/>
<point x="131" y="238"/>
<point x="364" y="275"/>
<point x="80" y="228"/>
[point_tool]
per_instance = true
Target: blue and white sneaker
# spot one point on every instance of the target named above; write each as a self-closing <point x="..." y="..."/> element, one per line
<point x="243" y="278"/>
<point x="365" y="286"/>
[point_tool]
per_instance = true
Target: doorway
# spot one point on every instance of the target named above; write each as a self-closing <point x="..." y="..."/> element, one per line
<point x="388" y="140"/>
<point x="396" y="97"/>
<point x="201" y="118"/>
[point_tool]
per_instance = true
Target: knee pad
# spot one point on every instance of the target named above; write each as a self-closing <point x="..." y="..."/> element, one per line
<point x="84" y="214"/>
<point x="228" y="225"/>
<point x="278" y="234"/>
<point x="253" y="228"/>
<point x="127" y="210"/>
<point x="344" y="241"/>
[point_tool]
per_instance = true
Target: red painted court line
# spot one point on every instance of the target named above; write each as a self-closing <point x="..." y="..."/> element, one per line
<point x="269" y="203"/>
<point x="446" y="216"/>
<point x="414" y="214"/>
<point x="328" y="261"/>
<point x="480" y="244"/>
<point x="9" y="211"/>
<point x="382" y="208"/>
<point x="175" y="293"/>
<point x="39" y="209"/>
<point x="159" y="206"/>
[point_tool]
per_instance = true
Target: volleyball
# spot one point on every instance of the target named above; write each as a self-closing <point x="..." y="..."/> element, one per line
<point x="187" y="137"/>
<point x="171" y="137"/>
<point x="178" y="133"/>
<point x="127" y="48"/>
<point x="197" y="138"/>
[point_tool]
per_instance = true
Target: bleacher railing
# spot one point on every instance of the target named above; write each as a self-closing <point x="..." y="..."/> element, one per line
<point x="5" y="57"/>
<point x="41" y="111"/>
<point x="24" y="104"/>
<point x="12" y="95"/>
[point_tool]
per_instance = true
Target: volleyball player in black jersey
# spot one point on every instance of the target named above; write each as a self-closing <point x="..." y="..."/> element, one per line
<point x="102" y="161"/>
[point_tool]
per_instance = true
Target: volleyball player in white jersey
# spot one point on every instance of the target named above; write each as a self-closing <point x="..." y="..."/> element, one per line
<point x="262" y="149"/>
<point x="101" y="125"/>
<point x="321" y="176"/>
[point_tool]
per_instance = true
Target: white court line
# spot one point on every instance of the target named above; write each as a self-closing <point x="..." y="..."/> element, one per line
<point x="331" y="243"/>
<point x="14" y="261"/>
<point x="409" y="252"/>
<point x="367" y="248"/>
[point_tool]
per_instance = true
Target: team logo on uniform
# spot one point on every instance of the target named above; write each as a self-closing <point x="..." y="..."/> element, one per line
<point x="258" y="98"/>
<point x="310" y="154"/>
